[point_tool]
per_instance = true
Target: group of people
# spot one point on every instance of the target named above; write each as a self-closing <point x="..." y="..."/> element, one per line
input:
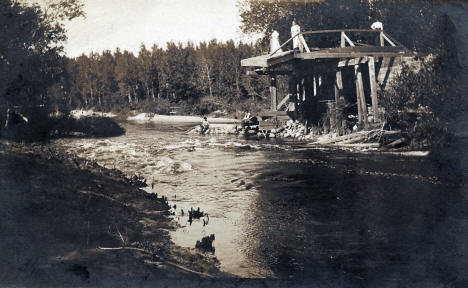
<point x="298" y="39"/>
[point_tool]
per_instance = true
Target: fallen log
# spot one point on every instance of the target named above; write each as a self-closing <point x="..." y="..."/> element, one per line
<point x="353" y="140"/>
<point x="359" y="145"/>
<point x="396" y="143"/>
<point x="347" y="137"/>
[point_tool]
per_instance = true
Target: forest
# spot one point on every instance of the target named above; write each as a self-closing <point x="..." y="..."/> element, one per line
<point x="199" y="79"/>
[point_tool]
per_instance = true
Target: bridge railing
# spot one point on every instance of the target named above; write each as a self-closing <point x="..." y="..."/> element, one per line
<point x="345" y="39"/>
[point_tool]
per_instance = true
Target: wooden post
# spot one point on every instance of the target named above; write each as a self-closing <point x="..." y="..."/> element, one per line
<point x="301" y="90"/>
<point x="293" y="92"/>
<point x="373" y="88"/>
<point x="360" y="95"/>
<point x="338" y="86"/>
<point x="343" y="41"/>
<point x="338" y="94"/>
<point x="273" y="93"/>
<point x="315" y="84"/>
<point x="382" y="41"/>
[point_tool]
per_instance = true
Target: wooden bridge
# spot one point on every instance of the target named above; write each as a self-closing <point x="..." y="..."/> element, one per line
<point x="332" y="73"/>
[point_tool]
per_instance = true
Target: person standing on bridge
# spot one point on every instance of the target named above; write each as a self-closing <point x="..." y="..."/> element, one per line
<point x="295" y="29"/>
<point x="377" y="25"/>
<point x="274" y="42"/>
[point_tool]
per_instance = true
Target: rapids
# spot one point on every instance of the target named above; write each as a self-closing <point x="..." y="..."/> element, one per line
<point x="282" y="209"/>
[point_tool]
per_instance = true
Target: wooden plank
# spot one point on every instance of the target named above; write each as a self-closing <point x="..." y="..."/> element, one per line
<point x="282" y="102"/>
<point x="281" y="59"/>
<point x="259" y="61"/>
<point x="355" y="52"/>
<point x="339" y="31"/>
<point x="373" y="87"/>
<point x="273" y="93"/>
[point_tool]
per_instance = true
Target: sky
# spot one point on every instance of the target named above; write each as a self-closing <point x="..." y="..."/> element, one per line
<point x="128" y="23"/>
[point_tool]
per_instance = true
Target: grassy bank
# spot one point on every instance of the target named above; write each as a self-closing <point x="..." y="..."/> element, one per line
<point x="67" y="221"/>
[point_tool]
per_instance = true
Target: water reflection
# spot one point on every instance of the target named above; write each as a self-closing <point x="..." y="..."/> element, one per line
<point x="314" y="221"/>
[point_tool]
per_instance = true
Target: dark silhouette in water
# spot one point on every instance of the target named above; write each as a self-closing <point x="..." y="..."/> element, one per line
<point x="206" y="244"/>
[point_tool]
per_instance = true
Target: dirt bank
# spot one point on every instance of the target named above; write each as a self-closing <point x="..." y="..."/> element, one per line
<point x="67" y="221"/>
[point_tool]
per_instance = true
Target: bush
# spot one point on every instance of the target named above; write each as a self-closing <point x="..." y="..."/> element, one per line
<point x="420" y="103"/>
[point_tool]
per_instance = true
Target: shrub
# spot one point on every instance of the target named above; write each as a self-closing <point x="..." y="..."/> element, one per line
<point x="417" y="103"/>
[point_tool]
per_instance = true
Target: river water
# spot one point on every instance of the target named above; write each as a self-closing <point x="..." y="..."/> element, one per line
<point x="286" y="210"/>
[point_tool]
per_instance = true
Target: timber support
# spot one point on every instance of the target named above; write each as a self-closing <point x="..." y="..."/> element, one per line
<point x="273" y="93"/>
<point x="327" y="75"/>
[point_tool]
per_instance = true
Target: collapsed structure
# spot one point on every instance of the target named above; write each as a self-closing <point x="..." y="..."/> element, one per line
<point x="344" y="72"/>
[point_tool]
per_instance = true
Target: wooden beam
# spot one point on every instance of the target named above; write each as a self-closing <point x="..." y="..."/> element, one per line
<point x="328" y="54"/>
<point x="388" y="39"/>
<point x="373" y="88"/>
<point x="259" y="61"/>
<point x="281" y="59"/>
<point x="382" y="41"/>
<point x="304" y="44"/>
<point x="293" y="93"/>
<point x="303" y="82"/>
<point x="283" y="102"/>
<point x="394" y="40"/>
<point x="360" y="95"/>
<point x="338" y="86"/>
<point x="273" y="95"/>
<point x="342" y="41"/>
<point x="348" y="40"/>
<point x="338" y="94"/>
<point x="339" y="31"/>
<point x="352" y="61"/>
<point x="273" y="113"/>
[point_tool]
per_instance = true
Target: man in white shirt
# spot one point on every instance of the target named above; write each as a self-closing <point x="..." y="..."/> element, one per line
<point x="377" y="26"/>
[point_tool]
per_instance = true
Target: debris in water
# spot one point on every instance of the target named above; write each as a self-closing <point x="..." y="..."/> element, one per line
<point x="197" y="214"/>
<point x="206" y="244"/>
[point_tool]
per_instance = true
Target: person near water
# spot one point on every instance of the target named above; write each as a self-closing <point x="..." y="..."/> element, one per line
<point x="205" y="126"/>
<point x="246" y="120"/>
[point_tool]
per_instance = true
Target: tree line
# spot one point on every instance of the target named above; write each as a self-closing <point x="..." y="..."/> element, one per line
<point x="199" y="78"/>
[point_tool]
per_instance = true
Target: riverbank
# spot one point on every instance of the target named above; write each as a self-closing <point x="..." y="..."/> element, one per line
<point x="68" y="221"/>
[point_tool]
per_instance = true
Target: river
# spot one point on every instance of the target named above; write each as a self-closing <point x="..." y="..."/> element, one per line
<point x="286" y="210"/>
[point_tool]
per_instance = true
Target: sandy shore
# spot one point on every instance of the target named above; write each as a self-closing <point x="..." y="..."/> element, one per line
<point x="67" y="222"/>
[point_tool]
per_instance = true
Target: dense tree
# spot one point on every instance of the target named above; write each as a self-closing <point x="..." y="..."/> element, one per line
<point x="30" y="49"/>
<point x="200" y="78"/>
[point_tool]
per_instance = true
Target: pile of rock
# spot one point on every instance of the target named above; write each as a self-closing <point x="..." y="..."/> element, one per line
<point x="294" y="129"/>
<point x="216" y="129"/>
<point x="291" y="129"/>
